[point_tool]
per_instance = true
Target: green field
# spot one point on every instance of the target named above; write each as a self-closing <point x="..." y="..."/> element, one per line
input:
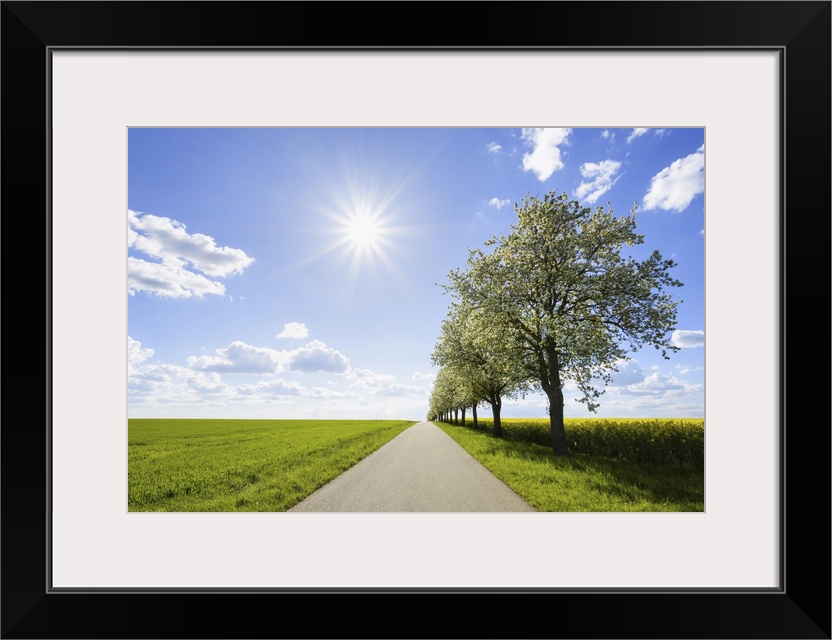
<point x="614" y="482"/>
<point x="271" y="465"/>
<point x="242" y="465"/>
<point x="677" y="441"/>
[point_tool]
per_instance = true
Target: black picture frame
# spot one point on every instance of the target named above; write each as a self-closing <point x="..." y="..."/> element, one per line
<point x="800" y="608"/>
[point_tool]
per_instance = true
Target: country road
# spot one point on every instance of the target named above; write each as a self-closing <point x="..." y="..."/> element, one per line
<point x="420" y="470"/>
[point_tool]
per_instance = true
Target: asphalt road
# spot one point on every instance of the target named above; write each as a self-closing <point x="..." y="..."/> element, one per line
<point x="422" y="470"/>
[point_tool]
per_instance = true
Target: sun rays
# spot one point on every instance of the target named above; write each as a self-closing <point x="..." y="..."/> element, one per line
<point x="364" y="216"/>
<point x="363" y="231"/>
<point x="361" y="237"/>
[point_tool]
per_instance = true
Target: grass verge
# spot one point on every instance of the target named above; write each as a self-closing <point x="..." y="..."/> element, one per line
<point x="243" y="465"/>
<point x="580" y="482"/>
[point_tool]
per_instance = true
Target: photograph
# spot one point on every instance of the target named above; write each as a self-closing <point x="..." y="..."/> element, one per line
<point x="310" y="307"/>
<point x="416" y="319"/>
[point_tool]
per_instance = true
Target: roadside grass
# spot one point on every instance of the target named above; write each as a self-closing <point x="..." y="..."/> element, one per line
<point x="242" y="465"/>
<point x="582" y="482"/>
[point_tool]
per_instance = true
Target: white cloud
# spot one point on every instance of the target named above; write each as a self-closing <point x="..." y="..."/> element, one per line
<point x="240" y="357"/>
<point x="295" y="330"/>
<point x="161" y="373"/>
<point x="168" y="280"/>
<point x="278" y="388"/>
<point x="629" y="372"/>
<point x="138" y="387"/>
<point x="636" y="392"/>
<point x="607" y="135"/>
<point x="365" y="377"/>
<point x="210" y="384"/>
<point x="418" y="375"/>
<point x="493" y="147"/>
<point x="617" y="403"/>
<point x="685" y="369"/>
<point x="688" y="339"/>
<point x="636" y="133"/>
<point x="496" y="202"/>
<point x="675" y="186"/>
<point x="275" y="387"/>
<point x="205" y="387"/>
<point x="178" y="252"/>
<point x="544" y="158"/>
<point x="382" y="384"/>
<point x="657" y="384"/>
<point x="316" y="356"/>
<point x="702" y="233"/>
<point x="399" y="390"/>
<point x="166" y="390"/>
<point x="168" y="384"/>
<point x="323" y="392"/>
<point x="602" y="178"/>
<point x="167" y="239"/>
<point x="648" y="389"/>
<point x="135" y="353"/>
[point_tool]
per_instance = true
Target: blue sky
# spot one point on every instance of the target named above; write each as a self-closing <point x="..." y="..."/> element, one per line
<point x="292" y="272"/>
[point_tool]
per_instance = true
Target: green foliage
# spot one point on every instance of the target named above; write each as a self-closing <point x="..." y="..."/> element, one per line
<point x="242" y="465"/>
<point x="580" y="482"/>
<point x="679" y="441"/>
<point x="478" y="365"/>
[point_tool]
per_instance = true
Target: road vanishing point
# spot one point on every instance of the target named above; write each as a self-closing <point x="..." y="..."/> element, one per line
<point x="421" y="470"/>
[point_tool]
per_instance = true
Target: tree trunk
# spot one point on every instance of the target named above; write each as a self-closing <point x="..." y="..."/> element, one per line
<point x="559" y="447"/>
<point x="463" y="416"/>
<point x="474" y="414"/>
<point x="456" y="416"/>
<point x="554" y="391"/>
<point x="495" y="409"/>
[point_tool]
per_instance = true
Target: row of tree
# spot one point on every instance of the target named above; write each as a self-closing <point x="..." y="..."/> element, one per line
<point x="553" y="301"/>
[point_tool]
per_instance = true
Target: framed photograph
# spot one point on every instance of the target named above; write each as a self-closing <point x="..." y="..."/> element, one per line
<point x="751" y="79"/>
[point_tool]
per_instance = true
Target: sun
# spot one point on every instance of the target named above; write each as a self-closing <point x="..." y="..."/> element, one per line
<point x="360" y="232"/>
<point x="363" y="231"/>
<point x="361" y="228"/>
